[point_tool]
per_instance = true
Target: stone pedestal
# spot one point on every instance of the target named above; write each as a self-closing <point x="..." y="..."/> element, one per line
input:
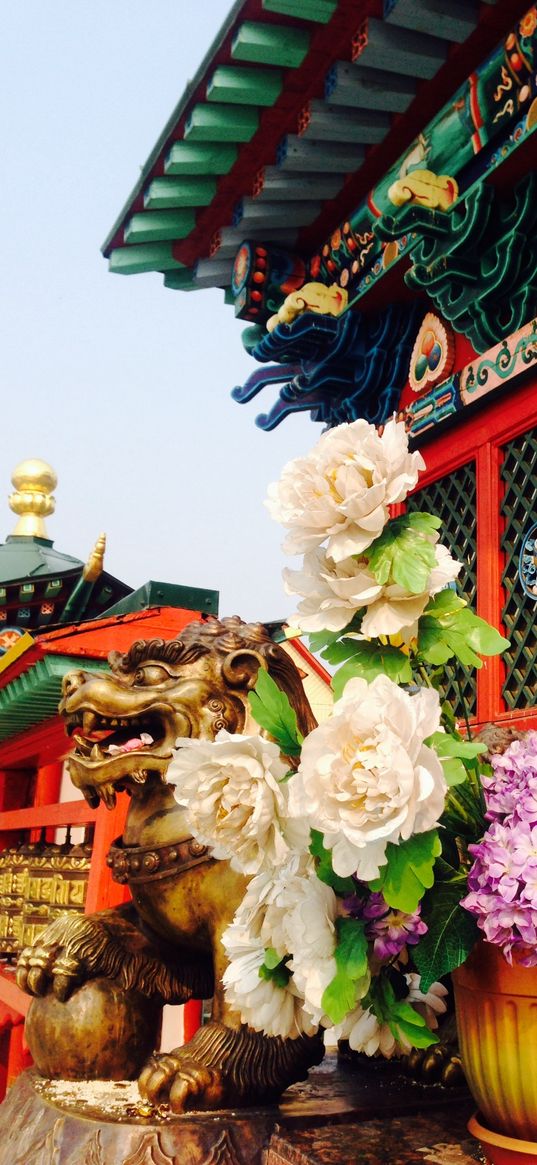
<point x="46" y="1122"/>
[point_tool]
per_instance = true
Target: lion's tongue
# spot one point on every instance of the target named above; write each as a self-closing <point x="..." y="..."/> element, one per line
<point x="132" y="745"/>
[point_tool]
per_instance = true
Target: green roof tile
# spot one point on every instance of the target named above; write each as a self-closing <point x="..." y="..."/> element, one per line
<point x="221" y="123"/>
<point x="245" y="86"/>
<point x="167" y="193"/>
<point x="154" y="226"/>
<point x="136" y="260"/>
<point x="270" y="44"/>
<point x="191" y="158"/>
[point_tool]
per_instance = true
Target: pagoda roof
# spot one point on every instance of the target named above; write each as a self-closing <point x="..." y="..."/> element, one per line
<point x="23" y="557"/>
<point x="298" y="108"/>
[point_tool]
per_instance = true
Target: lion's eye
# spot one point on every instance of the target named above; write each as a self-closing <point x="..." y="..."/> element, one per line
<point x="152" y="674"/>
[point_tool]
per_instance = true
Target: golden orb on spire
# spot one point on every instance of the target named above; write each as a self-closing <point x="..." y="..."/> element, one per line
<point x="34" y="481"/>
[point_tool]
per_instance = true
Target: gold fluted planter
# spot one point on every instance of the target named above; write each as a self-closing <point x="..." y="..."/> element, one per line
<point x="496" y="1007"/>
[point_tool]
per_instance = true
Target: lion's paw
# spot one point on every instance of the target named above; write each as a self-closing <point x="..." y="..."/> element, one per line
<point x="182" y="1081"/>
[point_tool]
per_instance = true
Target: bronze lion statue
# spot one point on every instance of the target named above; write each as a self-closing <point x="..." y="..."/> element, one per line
<point x="165" y="946"/>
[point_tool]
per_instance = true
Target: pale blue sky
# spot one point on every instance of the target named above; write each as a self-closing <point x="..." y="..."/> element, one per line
<point x="121" y="384"/>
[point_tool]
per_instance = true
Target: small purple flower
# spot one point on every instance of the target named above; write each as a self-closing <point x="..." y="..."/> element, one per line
<point x="391" y="930"/>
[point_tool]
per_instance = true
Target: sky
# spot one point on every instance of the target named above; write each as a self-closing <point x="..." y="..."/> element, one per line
<point x="121" y="384"/>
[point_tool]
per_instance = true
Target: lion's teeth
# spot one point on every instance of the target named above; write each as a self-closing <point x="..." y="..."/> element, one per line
<point x="82" y="744"/>
<point x="96" y="753"/>
<point x="89" y="721"/>
<point x="108" y="795"/>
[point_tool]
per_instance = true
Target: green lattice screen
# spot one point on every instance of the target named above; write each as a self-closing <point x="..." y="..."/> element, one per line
<point x="519" y="509"/>
<point x="453" y="499"/>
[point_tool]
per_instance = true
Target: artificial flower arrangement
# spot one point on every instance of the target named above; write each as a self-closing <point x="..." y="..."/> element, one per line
<point x="358" y="839"/>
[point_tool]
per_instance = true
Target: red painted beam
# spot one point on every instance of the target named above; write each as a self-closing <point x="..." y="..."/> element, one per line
<point x="66" y="813"/>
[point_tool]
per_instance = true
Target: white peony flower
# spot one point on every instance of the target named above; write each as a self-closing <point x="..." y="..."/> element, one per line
<point x="276" y="1011"/>
<point x="334" y="591"/>
<point x="267" y="917"/>
<point x="341" y="491"/>
<point x="235" y="803"/>
<point x="365" y="1034"/>
<point x="397" y="609"/>
<point x="366" y="777"/>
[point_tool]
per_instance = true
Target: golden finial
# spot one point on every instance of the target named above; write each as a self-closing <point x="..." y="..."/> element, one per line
<point x="34" y="481"/>
<point x="95" y="563"/>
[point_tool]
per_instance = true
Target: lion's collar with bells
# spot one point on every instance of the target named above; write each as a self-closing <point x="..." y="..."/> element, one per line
<point x="137" y="864"/>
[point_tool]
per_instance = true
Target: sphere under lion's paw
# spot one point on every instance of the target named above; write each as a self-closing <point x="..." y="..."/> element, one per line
<point x="100" y="1032"/>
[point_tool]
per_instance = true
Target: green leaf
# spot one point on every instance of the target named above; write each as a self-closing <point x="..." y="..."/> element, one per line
<point x="484" y="638"/>
<point x="343" y="649"/>
<point x="463" y="813"/>
<point x="454" y="770"/>
<point x="272" y="958"/>
<point x="370" y="660"/>
<point x="400" y="1016"/>
<point x="279" y="974"/>
<point x="409" y="871"/>
<point x="451" y="935"/>
<point x="444" y="602"/>
<point x="339" y="997"/>
<point x="449" y="628"/>
<point x="449" y="744"/>
<point x="452" y="751"/>
<point x="427" y="523"/>
<point x="417" y="1034"/>
<point x="402" y="554"/>
<point x="351" y="962"/>
<point x="351" y="949"/>
<point x="323" y="866"/>
<point x="272" y="710"/>
<point x="319" y="640"/>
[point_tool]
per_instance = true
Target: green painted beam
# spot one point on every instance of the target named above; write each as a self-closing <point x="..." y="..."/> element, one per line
<point x="221" y="123"/>
<point x="155" y="226"/>
<point x="189" y="159"/>
<point x="137" y="260"/>
<point x="270" y="44"/>
<point x="34" y="696"/>
<point x="167" y="193"/>
<point x="320" y="11"/>
<point x="245" y="86"/>
<point x="180" y="280"/>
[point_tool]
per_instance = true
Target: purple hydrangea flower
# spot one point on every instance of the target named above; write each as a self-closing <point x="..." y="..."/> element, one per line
<point x="503" y="887"/>
<point x="512" y="789"/>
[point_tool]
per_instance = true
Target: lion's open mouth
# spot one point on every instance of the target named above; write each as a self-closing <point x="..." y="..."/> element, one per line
<point x="99" y="738"/>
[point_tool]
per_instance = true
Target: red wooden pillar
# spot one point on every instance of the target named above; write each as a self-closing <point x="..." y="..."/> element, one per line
<point x="18" y="1056"/>
<point x="47" y="792"/>
<point x="103" y="892"/>
<point x="489" y="573"/>
<point x="191" y="1018"/>
<point x="15" y="788"/>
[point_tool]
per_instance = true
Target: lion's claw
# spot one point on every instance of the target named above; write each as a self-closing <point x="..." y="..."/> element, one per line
<point x="53" y="962"/>
<point x="182" y="1081"/>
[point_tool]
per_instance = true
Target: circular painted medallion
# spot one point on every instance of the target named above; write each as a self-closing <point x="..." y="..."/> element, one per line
<point x="527" y="565"/>
<point x="9" y="637"/>
<point x="433" y="354"/>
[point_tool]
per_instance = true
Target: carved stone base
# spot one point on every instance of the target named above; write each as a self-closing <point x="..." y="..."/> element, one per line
<point x="34" y="1130"/>
<point x="44" y="1122"/>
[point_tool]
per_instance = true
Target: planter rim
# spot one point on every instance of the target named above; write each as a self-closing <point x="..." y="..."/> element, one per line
<point x="488" y="1137"/>
<point x="488" y="961"/>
